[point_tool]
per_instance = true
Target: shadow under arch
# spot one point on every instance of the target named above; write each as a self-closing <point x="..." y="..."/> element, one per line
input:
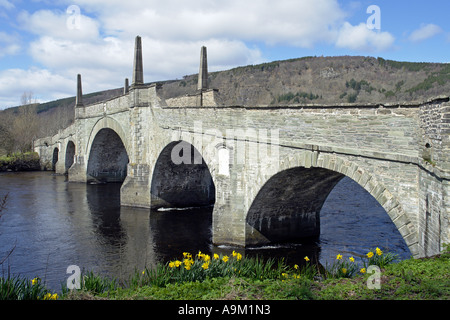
<point x="108" y="158"/>
<point x="55" y="157"/>
<point x="273" y="216"/>
<point x="287" y="208"/>
<point x="107" y="149"/>
<point x="181" y="178"/>
<point x="70" y="153"/>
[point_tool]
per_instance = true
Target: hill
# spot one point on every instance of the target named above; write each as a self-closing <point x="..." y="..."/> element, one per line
<point x="319" y="80"/>
<point x="324" y="80"/>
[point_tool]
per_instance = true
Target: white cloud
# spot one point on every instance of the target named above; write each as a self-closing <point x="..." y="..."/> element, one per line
<point x="362" y="38"/>
<point x="44" y="84"/>
<point x="54" y="24"/>
<point x="424" y="32"/>
<point x="9" y="44"/>
<point x="6" y="4"/>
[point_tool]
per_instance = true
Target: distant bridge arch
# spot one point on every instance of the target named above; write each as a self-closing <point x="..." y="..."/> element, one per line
<point x="70" y="155"/>
<point x="110" y="123"/>
<point x="107" y="152"/>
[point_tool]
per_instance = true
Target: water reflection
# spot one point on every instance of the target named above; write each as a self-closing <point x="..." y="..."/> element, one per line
<point x="55" y="224"/>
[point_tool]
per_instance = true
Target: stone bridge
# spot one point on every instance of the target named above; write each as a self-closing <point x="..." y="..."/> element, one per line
<point x="267" y="170"/>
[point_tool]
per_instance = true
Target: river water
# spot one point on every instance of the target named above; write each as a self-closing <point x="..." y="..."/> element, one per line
<point x="52" y="224"/>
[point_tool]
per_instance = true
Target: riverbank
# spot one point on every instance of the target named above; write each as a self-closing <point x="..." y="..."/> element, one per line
<point x="412" y="279"/>
<point x="28" y="161"/>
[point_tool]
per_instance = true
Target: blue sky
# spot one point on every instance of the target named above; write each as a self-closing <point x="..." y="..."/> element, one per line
<point x="44" y="44"/>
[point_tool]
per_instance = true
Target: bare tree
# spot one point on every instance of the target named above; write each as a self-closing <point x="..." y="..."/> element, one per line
<point x="6" y="136"/>
<point x="27" y="98"/>
<point x="24" y="129"/>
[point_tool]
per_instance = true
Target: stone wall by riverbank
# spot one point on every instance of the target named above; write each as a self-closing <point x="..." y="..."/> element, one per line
<point x="20" y="162"/>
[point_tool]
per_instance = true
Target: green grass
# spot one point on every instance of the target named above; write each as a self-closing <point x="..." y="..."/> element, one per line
<point x="412" y="279"/>
<point x="254" y="279"/>
<point x="233" y="277"/>
<point x="18" y="288"/>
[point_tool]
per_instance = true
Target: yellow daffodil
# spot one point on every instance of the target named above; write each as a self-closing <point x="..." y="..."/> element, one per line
<point x="34" y="281"/>
<point x="295" y="266"/>
<point x="54" y="296"/>
<point x="216" y="256"/>
<point x="177" y="263"/>
<point x="378" y="251"/>
<point x="171" y="264"/>
<point x="205" y="265"/>
<point x="225" y="258"/>
<point x="234" y="253"/>
<point x="306" y="258"/>
<point x="339" y="257"/>
<point x="284" y="275"/>
<point x="239" y="256"/>
<point x="352" y="259"/>
<point x="206" y="257"/>
<point x="369" y="254"/>
<point x="188" y="262"/>
<point x="363" y="270"/>
<point x="187" y="267"/>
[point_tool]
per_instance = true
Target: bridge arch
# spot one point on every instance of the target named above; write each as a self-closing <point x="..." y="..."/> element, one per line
<point x="302" y="189"/>
<point x="70" y="154"/>
<point x="107" y="151"/>
<point x="55" y="158"/>
<point x="181" y="178"/>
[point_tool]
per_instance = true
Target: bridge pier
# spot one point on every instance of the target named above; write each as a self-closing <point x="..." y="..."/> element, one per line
<point x="135" y="190"/>
<point x="228" y="218"/>
<point x="77" y="172"/>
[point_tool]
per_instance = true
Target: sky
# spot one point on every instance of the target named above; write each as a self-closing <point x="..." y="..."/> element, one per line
<point x="45" y="44"/>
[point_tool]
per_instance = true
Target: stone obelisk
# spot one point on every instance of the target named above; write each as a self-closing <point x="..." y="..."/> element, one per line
<point x="79" y="98"/>
<point x="126" y="86"/>
<point x="203" y="72"/>
<point x="138" y="70"/>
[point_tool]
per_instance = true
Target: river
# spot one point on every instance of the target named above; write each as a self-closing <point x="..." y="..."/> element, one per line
<point x="52" y="224"/>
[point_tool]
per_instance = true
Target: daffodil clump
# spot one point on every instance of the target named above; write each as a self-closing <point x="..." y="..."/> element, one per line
<point x="342" y="268"/>
<point x="200" y="266"/>
<point x="16" y="288"/>
<point x="379" y="258"/>
<point x="346" y="268"/>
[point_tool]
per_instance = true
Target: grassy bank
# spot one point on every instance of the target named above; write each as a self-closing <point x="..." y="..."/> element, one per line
<point x="233" y="277"/>
<point x="251" y="279"/>
<point x="27" y="161"/>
